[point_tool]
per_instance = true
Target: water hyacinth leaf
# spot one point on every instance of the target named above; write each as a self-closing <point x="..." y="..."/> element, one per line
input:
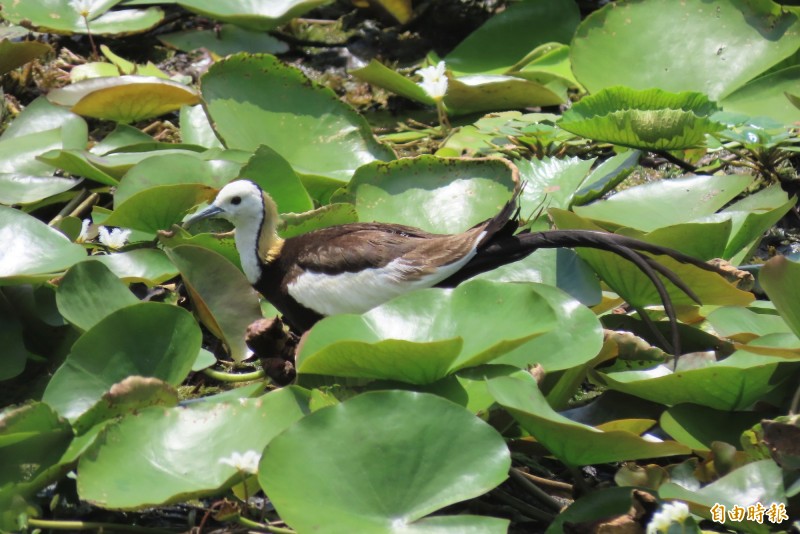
<point x="149" y="339"/>
<point x="386" y="480"/>
<point x="780" y="278"/>
<point x="175" y="169"/>
<point x="573" y="443"/>
<point x="55" y="16"/>
<point x="766" y="96"/>
<point x="509" y="35"/>
<point x="223" y="298"/>
<point x="390" y="342"/>
<point x="131" y="394"/>
<point x="13" y="55"/>
<point x="124" y="98"/>
<point x="758" y="482"/>
<point x="667" y="202"/>
<point x="26" y="189"/>
<point x="256" y="15"/>
<point x="689" y="424"/>
<point x="277" y="178"/>
<point x="731" y="384"/>
<point x="159" y="456"/>
<point x="31" y="249"/>
<point x="158" y="208"/>
<point x="257" y="100"/>
<point x="228" y="39"/>
<point x="146" y="265"/>
<point x="650" y="119"/>
<point x="439" y="195"/>
<point x="89" y="292"/>
<point x="682" y="46"/>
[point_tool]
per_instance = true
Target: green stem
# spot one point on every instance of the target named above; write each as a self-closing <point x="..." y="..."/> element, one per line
<point x="234" y="377"/>
<point x="90" y="525"/>
<point x="269" y="528"/>
<point x="443" y="121"/>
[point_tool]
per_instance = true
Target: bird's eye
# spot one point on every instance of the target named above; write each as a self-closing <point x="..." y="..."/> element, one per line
<point x="236" y="201"/>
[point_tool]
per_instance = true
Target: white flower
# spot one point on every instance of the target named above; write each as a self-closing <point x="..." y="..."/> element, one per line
<point x="245" y="463"/>
<point x="84" y="235"/>
<point x="671" y="512"/>
<point x="434" y="81"/>
<point x="114" y="239"/>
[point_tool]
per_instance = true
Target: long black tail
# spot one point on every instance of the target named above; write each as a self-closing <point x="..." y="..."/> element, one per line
<point x="507" y="249"/>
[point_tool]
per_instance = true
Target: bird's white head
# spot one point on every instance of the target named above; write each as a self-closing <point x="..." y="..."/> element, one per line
<point x="238" y="202"/>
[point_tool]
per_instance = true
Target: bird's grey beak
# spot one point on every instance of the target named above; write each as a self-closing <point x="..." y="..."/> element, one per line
<point x="205" y="214"/>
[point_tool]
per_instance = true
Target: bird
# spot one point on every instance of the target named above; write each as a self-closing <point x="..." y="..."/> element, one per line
<point x="354" y="267"/>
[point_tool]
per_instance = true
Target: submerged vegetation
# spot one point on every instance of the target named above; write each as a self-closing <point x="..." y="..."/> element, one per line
<point x="538" y="397"/>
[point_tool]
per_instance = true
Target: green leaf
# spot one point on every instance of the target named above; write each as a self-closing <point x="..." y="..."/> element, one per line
<point x="124" y="98"/>
<point x="13" y="55"/>
<point x="275" y="176"/>
<point x="256" y="15"/>
<point x="490" y="92"/>
<point x="89" y="292"/>
<point x="440" y="195"/>
<point x="551" y="181"/>
<point x="766" y="96"/>
<point x="698" y="426"/>
<point x="159" y="456"/>
<point x="713" y="48"/>
<point x="506" y="37"/>
<point x="293" y="224"/>
<point x="56" y="16"/>
<point x="15" y="354"/>
<point x="223" y="298"/>
<point x="390" y="342"/>
<point x="196" y="128"/>
<point x="256" y="100"/>
<point x="31" y="249"/>
<point x="667" y="202"/>
<point x="780" y="278"/>
<point x="145" y="339"/>
<point x="376" y="475"/>
<point x="743" y="324"/>
<point x="225" y="40"/>
<point x="158" y="208"/>
<point x="734" y="383"/>
<point x="144" y="265"/>
<point x="599" y="504"/>
<point x="26" y="189"/>
<point x="650" y="119"/>
<point x="572" y="443"/>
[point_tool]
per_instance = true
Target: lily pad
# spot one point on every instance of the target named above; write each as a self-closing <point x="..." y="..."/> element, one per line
<point x="391" y="342"/>
<point x="228" y="39"/>
<point x="55" y="16"/>
<point x="275" y="176"/>
<point x="573" y="443"/>
<point x="440" y="195"/>
<point x="766" y="96"/>
<point x="649" y="119"/>
<point x="376" y="476"/>
<point x="690" y="425"/>
<point x="256" y="100"/>
<point x="146" y="265"/>
<point x="222" y="297"/>
<point x="13" y="55"/>
<point x="713" y="48"/>
<point x="124" y="98"/>
<point x="158" y="456"/>
<point x="780" y="278"/>
<point x="89" y="292"/>
<point x="31" y="249"/>
<point x="158" y="208"/>
<point x="256" y="15"/>
<point x="145" y="339"/>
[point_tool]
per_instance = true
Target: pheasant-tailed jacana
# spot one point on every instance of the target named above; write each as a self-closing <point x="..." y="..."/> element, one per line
<point x="352" y="268"/>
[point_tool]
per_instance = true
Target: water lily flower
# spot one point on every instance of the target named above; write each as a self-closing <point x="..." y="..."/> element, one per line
<point x="84" y="235"/>
<point x="434" y="81"/>
<point x="677" y="512"/>
<point x="115" y="239"/>
<point x="244" y="462"/>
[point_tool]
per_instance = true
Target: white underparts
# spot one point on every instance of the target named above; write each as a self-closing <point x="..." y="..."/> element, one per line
<point x="247" y="244"/>
<point x="361" y="291"/>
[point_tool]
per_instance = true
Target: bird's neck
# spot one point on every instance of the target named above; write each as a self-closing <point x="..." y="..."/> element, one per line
<point x="257" y="241"/>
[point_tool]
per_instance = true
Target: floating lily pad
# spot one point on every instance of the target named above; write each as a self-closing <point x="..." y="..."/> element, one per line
<point x="573" y="443"/>
<point x="682" y="46"/>
<point x="56" y="16"/>
<point x="146" y="265"/>
<point x="256" y="100"/>
<point x="391" y="342"/>
<point x="275" y="176"/>
<point x="228" y="39"/>
<point x="376" y="474"/>
<point x="766" y="96"/>
<point x="13" y="55"/>
<point x="159" y="456"/>
<point x="145" y="339"/>
<point x="440" y="195"/>
<point x="689" y="424"/>
<point x="222" y="297"/>
<point x="89" y="292"/>
<point x="649" y="119"/>
<point x="780" y="278"/>
<point x="25" y="189"/>
<point x="124" y="98"/>
<point x="293" y="224"/>
<point x="158" y="208"/>
<point x="256" y="15"/>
